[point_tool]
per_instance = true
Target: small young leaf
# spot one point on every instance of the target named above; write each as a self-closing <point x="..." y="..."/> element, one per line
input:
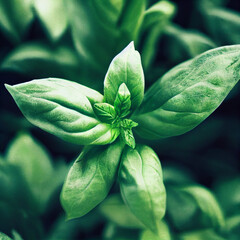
<point x="63" y="108"/>
<point x="90" y="179"/>
<point x="105" y="112"/>
<point x="141" y="184"/>
<point x="188" y="94"/>
<point x="122" y="103"/>
<point x="125" y="68"/>
<point x="127" y="136"/>
<point x="128" y="123"/>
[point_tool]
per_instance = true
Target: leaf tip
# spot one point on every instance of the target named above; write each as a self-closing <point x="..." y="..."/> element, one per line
<point x="131" y="46"/>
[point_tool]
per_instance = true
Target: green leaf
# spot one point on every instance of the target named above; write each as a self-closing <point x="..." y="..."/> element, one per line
<point x="222" y="24"/>
<point x="131" y="18"/>
<point x="64" y="109"/>
<point x="4" y="237"/>
<point x="177" y="204"/>
<point x="125" y="68"/>
<point x="141" y="184"/>
<point x="34" y="163"/>
<point x="228" y="194"/>
<point x="156" y="18"/>
<point x="114" y="209"/>
<point x="188" y="93"/>
<point x="90" y="179"/>
<point x="164" y="233"/>
<point x="158" y="12"/>
<point x="15" y="190"/>
<point x="128" y="138"/>
<point x="37" y="59"/>
<point x="53" y="16"/>
<point x="122" y="103"/>
<point x="233" y="225"/>
<point x="207" y="203"/>
<point x="128" y="123"/>
<point x="95" y="30"/>
<point x="183" y="44"/>
<point x="15" y="18"/>
<point x="105" y="112"/>
<point x="199" y="206"/>
<point x="16" y="236"/>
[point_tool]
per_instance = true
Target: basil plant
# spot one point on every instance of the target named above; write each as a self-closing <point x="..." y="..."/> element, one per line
<point x="175" y="104"/>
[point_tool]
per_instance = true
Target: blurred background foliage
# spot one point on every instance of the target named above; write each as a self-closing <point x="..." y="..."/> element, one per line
<point x="76" y="40"/>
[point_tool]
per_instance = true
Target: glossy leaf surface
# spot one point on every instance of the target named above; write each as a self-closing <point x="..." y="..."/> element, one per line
<point x="188" y="93"/>
<point x="125" y="68"/>
<point x="63" y="108"/>
<point x="90" y="179"/>
<point x="141" y="185"/>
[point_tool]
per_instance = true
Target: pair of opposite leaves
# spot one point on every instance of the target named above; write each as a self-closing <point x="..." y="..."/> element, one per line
<point x="175" y="104"/>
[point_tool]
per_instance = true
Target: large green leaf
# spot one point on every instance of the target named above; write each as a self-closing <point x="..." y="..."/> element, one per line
<point x="188" y="93"/>
<point x="15" y="18"/>
<point x="125" y="68"/>
<point x="53" y="16"/>
<point x="63" y="108"/>
<point x="141" y="184"/>
<point x="90" y="179"/>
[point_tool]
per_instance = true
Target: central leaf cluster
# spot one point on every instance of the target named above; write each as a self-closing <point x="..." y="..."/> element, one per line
<point x="116" y="115"/>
